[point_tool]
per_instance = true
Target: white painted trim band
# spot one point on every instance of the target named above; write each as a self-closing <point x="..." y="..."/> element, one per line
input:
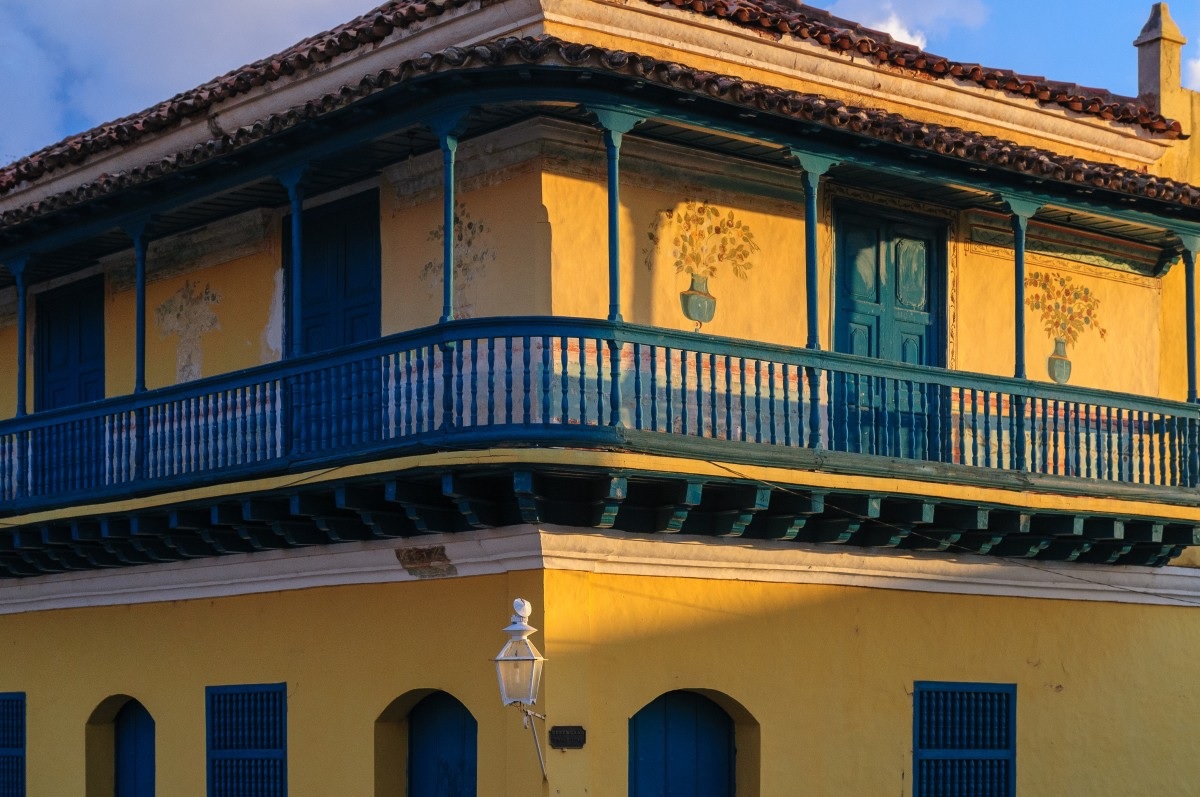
<point x="520" y="548"/>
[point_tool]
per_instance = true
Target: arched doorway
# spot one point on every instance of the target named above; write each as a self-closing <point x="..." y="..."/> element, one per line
<point x="426" y="746"/>
<point x="681" y="745"/>
<point x="120" y="749"/>
<point x="133" y="742"/>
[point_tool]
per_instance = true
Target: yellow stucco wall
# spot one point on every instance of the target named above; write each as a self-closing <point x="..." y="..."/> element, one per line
<point x="345" y="654"/>
<point x="500" y="254"/>
<point x="828" y="674"/>
<point x="8" y="370"/>
<point x="765" y="303"/>
<point x="824" y="673"/>
<point x="200" y="323"/>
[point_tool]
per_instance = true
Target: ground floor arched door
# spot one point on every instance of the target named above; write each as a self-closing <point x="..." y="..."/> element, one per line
<point x="133" y="738"/>
<point x="681" y="745"/>
<point x="441" y="748"/>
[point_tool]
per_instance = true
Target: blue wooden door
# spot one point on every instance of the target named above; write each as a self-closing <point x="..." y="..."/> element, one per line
<point x="889" y="288"/>
<point x="340" y="279"/>
<point x="441" y="748"/>
<point x="69" y="345"/>
<point x="133" y="729"/>
<point x="681" y="745"/>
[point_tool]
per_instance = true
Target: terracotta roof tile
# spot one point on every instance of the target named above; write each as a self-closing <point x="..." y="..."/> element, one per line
<point x="980" y="149"/>
<point x="840" y="35"/>
<point x="779" y="16"/>
<point x="366" y="29"/>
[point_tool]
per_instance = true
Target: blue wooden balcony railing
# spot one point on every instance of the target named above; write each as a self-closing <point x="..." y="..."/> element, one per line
<point x="561" y="381"/>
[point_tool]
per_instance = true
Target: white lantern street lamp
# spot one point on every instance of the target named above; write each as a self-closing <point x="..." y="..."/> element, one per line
<point x="519" y="671"/>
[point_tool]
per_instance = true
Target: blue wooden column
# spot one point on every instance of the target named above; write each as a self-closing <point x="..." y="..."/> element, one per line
<point x="814" y="166"/>
<point x="1023" y="210"/>
<point x="292" y="180"/>
<point x="137" y="232"/>
<point x="615" y="123"/>
<point x="16" y="267"/>
<point x="448" y="127"/>
<point x="1191" y="245"/>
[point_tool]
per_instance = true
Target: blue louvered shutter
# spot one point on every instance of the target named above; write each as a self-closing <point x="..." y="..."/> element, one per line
<point x="12" y="744"/>
<point x="964" y="739"/>
<point x="247" y="740"/>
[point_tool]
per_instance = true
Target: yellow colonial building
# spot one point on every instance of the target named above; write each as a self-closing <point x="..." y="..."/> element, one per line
<point x="833" y="403"/>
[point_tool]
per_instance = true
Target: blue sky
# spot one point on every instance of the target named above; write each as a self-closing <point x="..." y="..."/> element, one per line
<point x="69" y="65"/>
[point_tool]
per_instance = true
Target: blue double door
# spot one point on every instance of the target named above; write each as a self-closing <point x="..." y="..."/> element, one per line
<point x="133" y="737"/>
<point x="340" y="279"/>
<point x="889" y="297"/>
<point x="339" y="299"/>
<point x="441" y="748"/>
<point x="681" y="745"/>
<point x="69" y="345"/>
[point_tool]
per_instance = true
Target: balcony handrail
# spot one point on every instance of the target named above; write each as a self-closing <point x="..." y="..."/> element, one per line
<point x="620" y="332"/>
<point x="528" y="380"/>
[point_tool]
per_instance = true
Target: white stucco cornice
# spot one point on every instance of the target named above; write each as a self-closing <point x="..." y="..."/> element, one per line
<point x="836" y="75"/>
<point x="523" y="548"/>
<point x="663" y="31"/>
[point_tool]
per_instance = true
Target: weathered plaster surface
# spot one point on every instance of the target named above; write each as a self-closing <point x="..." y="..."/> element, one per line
<point x="188" y="315"/>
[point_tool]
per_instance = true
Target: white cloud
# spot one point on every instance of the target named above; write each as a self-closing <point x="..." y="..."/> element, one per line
<point x="900" y="31"/>
<point x="916" y="21"/>
<point x="70" y="65"/>
<point x="1191" y="74"/>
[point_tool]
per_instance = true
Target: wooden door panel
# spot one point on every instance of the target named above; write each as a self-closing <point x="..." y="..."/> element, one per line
<point x="69" y="345"/>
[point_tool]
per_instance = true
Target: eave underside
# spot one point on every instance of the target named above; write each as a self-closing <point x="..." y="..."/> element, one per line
<point x="348" y="144"/>
<point x="643" y="503"/>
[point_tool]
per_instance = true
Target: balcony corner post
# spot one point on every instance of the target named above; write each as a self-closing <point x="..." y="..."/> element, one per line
<point x="615" y="123"/>
<point x="1191" y="245"/>
<point x="448" y="127"/>
<point x="292" y="179"/>
<point x="136" y="230"/>
<point x="1023" y="209"/>
<point x="813" y="166"/>
<point x="16" y="267"/>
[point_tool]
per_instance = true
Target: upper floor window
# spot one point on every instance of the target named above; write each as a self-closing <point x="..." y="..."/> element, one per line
<point x="247" y="740"/>
<point x="964" y="733"/>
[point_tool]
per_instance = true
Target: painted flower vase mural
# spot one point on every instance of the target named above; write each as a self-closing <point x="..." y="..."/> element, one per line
<point x="473" y="251"/>
<point x="1067" y="310"/>
<point x="703" y="241"/>
<point x="188" y="314"/>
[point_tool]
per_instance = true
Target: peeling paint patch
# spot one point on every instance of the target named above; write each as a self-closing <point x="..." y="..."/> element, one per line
<point x="428" y="562"/>
<point x="271" y="340"/>
<point x="188" y="315"/>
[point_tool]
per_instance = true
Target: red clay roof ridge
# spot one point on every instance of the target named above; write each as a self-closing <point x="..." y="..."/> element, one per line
<point x="984" y="150"/>
<point x="779" y="16"/>
<point x="800" y="21"/>
<point x="318" y="49"/>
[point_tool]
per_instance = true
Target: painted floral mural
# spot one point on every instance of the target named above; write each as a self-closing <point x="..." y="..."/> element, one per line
<point x="188" y="314"/>
<point x="1066" y="310"/>
<point x="703" y="241"/>
<point x="473" y="251"/>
